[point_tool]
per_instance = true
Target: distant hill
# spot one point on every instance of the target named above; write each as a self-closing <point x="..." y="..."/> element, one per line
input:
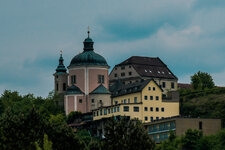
<point x="209" y="103"/>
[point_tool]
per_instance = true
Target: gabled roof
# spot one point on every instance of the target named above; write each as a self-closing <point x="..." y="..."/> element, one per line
<point x="73" y="90"/>
<point x="149" y="67"/>
<point x="140" y="60"/>
<point x="100" y="90"/>
<point x="132" y="88"/>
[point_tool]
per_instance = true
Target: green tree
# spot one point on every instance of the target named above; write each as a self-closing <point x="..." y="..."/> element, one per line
<point x="202" y="80"/>
<point x="191" y="139"/>
<point x="61" y="135"/>
<point x="126" y="134"/>
<point x="47" y="144"/>
<point x="73" y="117"/>
<point x="20" y="131"/>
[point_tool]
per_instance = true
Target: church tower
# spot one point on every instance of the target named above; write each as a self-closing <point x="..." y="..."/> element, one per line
<point x="61" y="77"/>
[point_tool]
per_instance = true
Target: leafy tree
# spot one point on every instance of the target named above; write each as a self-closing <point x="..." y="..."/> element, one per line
<point x="191" y="139"/>
<point x="61" y="135"/>
<point x="202" y="80"/>
<point x="126" y="134"/>
<point x="172" y="143"/>
<point x="20" y="131"/>
<point x="73" y="117"/>
<point x="47" y="144"/>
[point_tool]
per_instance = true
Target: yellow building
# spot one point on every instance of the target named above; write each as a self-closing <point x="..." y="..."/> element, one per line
<point x="142" y="100"/>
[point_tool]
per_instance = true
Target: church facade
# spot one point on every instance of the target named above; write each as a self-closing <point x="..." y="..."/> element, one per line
<point x="86" y="81"/>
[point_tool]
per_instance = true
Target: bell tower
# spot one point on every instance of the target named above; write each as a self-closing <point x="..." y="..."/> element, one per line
<point x="61" y="78"/>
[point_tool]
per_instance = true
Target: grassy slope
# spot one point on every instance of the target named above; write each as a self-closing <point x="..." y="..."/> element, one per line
<point x="204" y="104"/>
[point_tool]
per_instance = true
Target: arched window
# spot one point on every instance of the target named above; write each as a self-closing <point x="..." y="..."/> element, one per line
<point x="64" y="86"/>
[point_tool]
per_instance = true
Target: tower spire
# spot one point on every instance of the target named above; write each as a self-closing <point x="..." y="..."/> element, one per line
<point x="88" y="31"/>
<point x="61" y="67"/>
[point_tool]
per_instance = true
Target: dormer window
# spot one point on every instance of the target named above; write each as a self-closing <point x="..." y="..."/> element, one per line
<point x="146" y="71"/>
<point x="158" y="72"/>
<point x="150" y="71"/>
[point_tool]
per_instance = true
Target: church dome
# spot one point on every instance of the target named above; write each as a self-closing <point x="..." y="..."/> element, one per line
<point x="88" y="56"/>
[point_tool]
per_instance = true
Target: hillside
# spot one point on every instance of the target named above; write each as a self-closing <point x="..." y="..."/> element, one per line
<point x="208" y="103"/>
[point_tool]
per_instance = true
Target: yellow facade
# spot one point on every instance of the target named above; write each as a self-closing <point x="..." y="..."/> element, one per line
<point x="145" y="105"/>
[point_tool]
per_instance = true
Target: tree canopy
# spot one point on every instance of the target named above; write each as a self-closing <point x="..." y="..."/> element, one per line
<point x="202" y="80"/>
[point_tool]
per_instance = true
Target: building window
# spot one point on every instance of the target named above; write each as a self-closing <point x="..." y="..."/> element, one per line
<point x="146" y="97"/>
<point x="109" y="111"/>
<point x="129" y="66"/>
<point x="115" y="75"/>
<point x="146" y="118"/>
<point x="130" y="73"/>
<point x="121" y="101"/>
<point x="172" y="85"/>
<point x="125" y="108"/>
<point x="162" y="109"/>
<point x="149" y="88"/>
<point x="200" y="125"/>
<point x="135" y="99"/>
<point x="130" y="82"/>
<point x="157" y="118"/>
<point x="97" y="113"/>
<point x="157" y="109"/>
<point x="153" y="88"/>
<point x="101" y="79"/>
<point x="57" y="87"/>
<point x="115" y="68"/>
<point x="123" y="67"/>
<point x="128" y="100"/>
<point x="146" y="108"/>
<point x="151" y="118"/>
<point x="118" y="109"/>
<point x="73" y="79"/>
<point x="80" y="100"/>
<point x="164" y="84"/>
<point x="100" y="101"/>
<point x="100" y="112"/>
<point x="151" y="108"/>
<point x="114" y="109"/>
<point x="136" y="109"/>
<point x="94" y="113"/>
<point x="64" y="86"/>
<point x="92" y="100"/>
<point x="125" y="101"/>
<point x="151" y="97"/>
<point x="122" y="74"/>
<point x="157" y="97"/>
<point x="105" y="111"/>
<point x="116" y="102"/>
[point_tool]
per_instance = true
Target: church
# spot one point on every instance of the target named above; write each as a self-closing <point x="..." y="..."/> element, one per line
<point x="139" y="87"/>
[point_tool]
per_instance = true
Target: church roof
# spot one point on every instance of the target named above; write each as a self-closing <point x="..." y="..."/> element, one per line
<point x="73" y="90"/>
<point x="88" y="56"/>
<point x="149" y="67"/>
<point x="100" y="90"/>
<point x="61" y="68"/>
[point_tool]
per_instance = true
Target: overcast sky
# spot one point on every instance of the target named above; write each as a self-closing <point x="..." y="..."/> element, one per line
<point x="188" y="35"/>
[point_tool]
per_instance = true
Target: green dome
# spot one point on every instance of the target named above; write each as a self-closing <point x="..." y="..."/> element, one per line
<point x="88" y="56"/>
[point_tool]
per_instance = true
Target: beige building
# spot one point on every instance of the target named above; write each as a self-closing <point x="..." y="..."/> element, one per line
<point x="137" y="68"/>
<point x="159" y="129"/>
<point x="142" y="100"/>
